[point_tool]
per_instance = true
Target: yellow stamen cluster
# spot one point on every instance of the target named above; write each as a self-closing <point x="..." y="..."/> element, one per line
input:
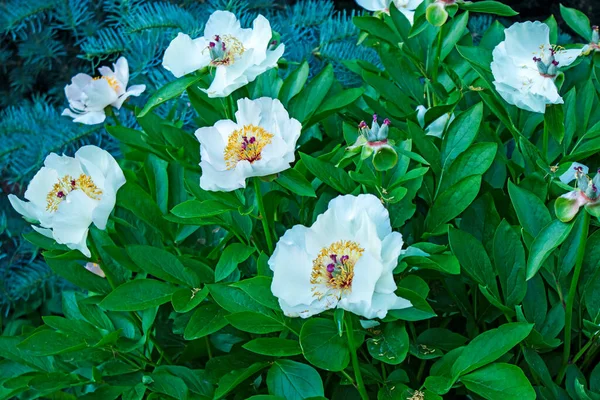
<point x="334" y="267"/>
<point x="247" y="144"/>
<point x="233" y="48"/>
<point x="67" y="184"/>
<point x="112" y="81"/>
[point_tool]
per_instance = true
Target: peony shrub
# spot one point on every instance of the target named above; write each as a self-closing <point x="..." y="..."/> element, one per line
<point x="430" y="234"/>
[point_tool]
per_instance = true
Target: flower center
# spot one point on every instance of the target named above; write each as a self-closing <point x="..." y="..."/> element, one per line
<point x="247" y="144"/>
<point x="112" y="82"/>
<point x="547" y="65"/>
<point x="67" y="184"/>
<point x="334" y="266"/>
<point x="224" y="49"/>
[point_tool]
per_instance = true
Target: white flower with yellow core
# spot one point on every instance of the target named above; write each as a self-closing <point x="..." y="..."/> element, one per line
<point x="525" y="66"/>
<point x="260" y="142"/>
<point x="345" y="259"/>
<point x="406" y="7"/>
<point x="88" y="97"/>
<point x="68" y="194"/>
<point x="237" y="55"/>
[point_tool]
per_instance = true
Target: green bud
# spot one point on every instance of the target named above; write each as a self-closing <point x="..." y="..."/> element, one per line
<point x="385" y="158"/>
<point x="436" y="14"/>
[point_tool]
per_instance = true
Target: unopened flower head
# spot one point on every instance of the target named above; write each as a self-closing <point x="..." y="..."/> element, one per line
<point x="88" y="97"/>
<point x="68" y="194"/>
<point x="373" y="141"/>
<point x="236" y="55"/>
<point x="586" y="193"/>
<point x="435" y="128"/>
<point x="525" y="66"/>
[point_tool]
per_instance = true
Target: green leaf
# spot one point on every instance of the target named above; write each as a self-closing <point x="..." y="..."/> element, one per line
<point x="554" y="122"/>
<point x="169" y="91"/>
<point x="322" y="346"/>
<point x="200" y="209"/>
<point x="43" y="242"/>
<point x="452" y="33"/>
<point x="308" y="101"/>
<point x="76" y="273"/>
<point x="48" y="342"/>
<point x="294" y="381"/>
<point x="293" y="84"/>
<point x="259" y="288"/>
<point x="475" y="161"/>
<point x="208" y="318"/>
<point x="577" y="21"/>
<point x="391" y="346"/>
<point x="158" y="180"/>
<point x="230" y="381"/>
<point x="185" y="300"/>
<point x="461" y="133"/>
<point x="163" y="265"/>
<point x="139" y="294"/>
<point x="545" y="243"/>
<point x="255" y="323"/>
<point x="499" y="382"/>
<point x="473" y="258"/>
<point x="232" y="256"/>
<point x="334" y="103"/>
<point x="452" y="202"/>
<point x="133" y="198"/>
<point x="377" y="28"/>
<point x="531" y="211"/>
<point x="333" y="176"/>
<point x="489" y="346"/>
<point x="295" y="182"/>
<point x="165" y="383"/>
<point x="274" y="347"/>
<point x="489" y="7"/>
<point x="235" y="300"/>
<point x="509" y="259"/>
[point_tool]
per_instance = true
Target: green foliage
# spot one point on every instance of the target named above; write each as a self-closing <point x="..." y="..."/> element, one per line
<point x="504" y="296"/>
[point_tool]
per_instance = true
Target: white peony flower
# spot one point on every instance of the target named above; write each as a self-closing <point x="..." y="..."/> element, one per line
<point x="437" y="127"/>
<point x="525" y="66"/>
<point x="345" y="259"/>
<point x="88" y="97"/>
<point x="407" y="7"/>
<point x="238" y="55"/>
<point x="69" y="193"/>
<point x="261" y="142"/>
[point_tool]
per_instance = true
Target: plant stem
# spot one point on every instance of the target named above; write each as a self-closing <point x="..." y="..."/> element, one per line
<point x="571" y="297"/>
<point x="263" y="215"/>
<point x="360" y="385"/>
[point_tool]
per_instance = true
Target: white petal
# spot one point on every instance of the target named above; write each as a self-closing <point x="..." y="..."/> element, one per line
<point x="72" y="220"/>
<point x="44" y="231"/>
<point x="569" y="174"/>
<point x="224" y="181"/>
<point x="99" y="95"/>
<point x="382" y="303"/>
<point x="374" y="5"/>
<point x="213" y="141"/>
<point x="567" y="57"/>
<point x="106" y="173"/>
<point x="366" y="274"/>
<point x="122" y="71"/>
<point x="292" y="267"/>
<point x="41" y="185"/>
<point x="523" y="39"/>
<point x="185" y="55"/>
<point x="308" y="310"/>
<point x="134" y="90"/>
<point x="222" y="23"/>
<point x="25" y="208"/>
<point x="90" y="118"/>
<point x="259" y="39"/>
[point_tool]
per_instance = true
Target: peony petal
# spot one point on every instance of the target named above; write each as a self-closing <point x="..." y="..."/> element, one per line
<point x="569" y="175"/>
<point x="374" y="5"/>
<point x="72" y="220"/>
<point x="367" y="272"/>
<point x="185" y="55"/>
<point x="134" y="90"/>
<point x="222" y="23"/>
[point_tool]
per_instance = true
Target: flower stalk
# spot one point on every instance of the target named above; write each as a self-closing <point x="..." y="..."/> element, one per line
<point x="263" y="215"/>
<point x="571" y="297"/>
<point x="360" y="384"/>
